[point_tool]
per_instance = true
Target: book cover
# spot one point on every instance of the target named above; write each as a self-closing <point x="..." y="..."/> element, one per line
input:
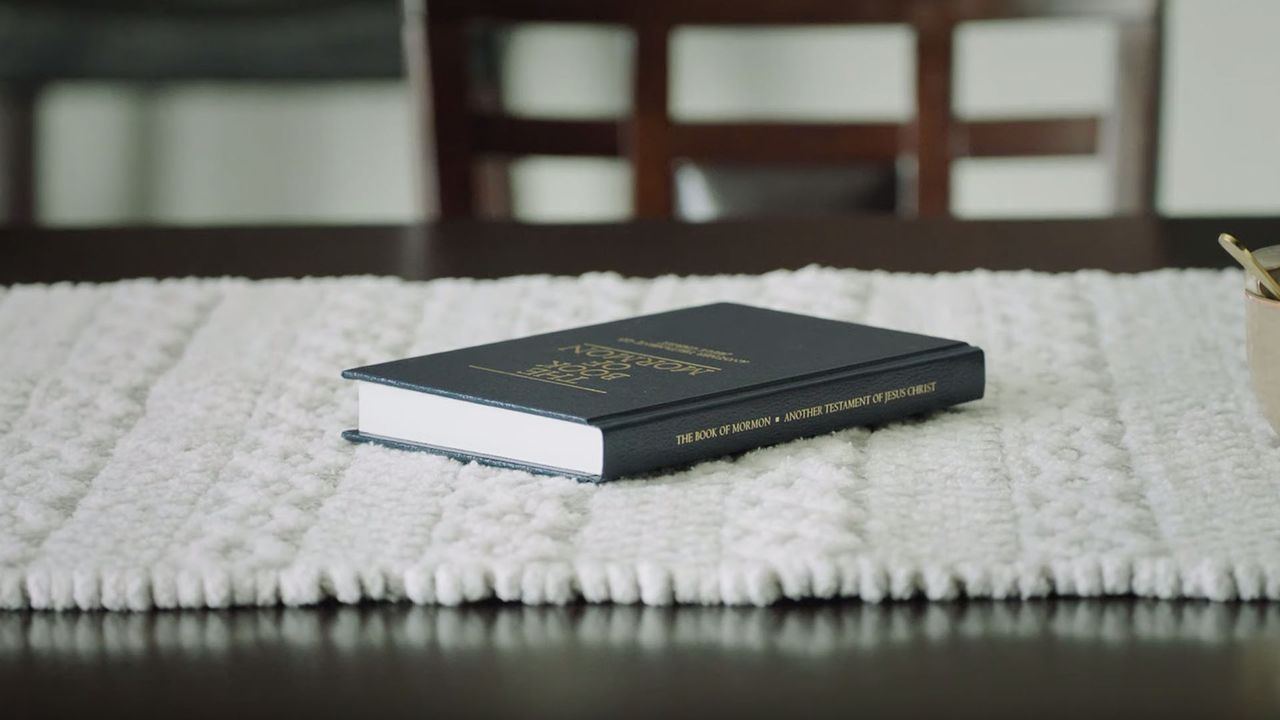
<point x="669" y="389"/>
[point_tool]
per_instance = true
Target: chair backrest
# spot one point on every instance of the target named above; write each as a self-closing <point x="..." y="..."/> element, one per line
<point x="472" y="136"/>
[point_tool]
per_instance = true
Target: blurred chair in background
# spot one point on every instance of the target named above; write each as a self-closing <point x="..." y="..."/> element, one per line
<point x="154" y="41"/>
<point x="903" y="167"/>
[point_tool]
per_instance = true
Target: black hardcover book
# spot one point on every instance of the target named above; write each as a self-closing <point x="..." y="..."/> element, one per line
<point x="626" y="397"/>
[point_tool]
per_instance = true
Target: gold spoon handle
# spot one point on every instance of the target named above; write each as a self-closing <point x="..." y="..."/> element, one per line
<point x="1250" y="264"/>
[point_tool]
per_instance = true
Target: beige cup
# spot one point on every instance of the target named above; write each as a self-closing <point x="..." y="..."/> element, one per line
<point x="1262" y="318"/>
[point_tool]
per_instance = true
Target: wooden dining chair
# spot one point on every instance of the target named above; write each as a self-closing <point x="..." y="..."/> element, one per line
<point x="469" y="138"/>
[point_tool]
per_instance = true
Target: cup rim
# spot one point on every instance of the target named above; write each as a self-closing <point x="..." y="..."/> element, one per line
<point x="1258" y="298"/>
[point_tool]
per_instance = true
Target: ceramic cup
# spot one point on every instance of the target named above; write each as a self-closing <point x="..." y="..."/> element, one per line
<point x="1262" y="318"/>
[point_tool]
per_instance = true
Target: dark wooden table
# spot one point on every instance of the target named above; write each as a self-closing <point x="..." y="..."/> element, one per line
<point x="1117" y="657"/>
<point x="642" y="248"/>
<point x="1036" y="659"/>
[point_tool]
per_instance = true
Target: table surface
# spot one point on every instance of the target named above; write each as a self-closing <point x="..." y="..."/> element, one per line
<point x="640" y="248"/>
<point x="1034" y="659"/>
<point x="1057" y="657"/>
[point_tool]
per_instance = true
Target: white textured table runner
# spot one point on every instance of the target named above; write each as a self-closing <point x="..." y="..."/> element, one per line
<point x="176" y="444"/>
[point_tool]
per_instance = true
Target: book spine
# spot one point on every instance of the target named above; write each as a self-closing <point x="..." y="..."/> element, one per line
<point x="799" y="408"/>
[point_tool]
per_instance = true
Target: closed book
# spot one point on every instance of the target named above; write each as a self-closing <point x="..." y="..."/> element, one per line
<point x="627" y="397"/>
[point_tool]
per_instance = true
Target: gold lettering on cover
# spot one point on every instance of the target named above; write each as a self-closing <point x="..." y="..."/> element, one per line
<point x="638" y="359"/>
<point x="681" y="348"/>
<point x="573" y="373"/>
<point x="590" y="363"/>
<point x="536" y="379"/>
<point x="840" y="405"/>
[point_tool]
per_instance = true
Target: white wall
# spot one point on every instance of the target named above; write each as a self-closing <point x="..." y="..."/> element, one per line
<point x="343" y="152"/>
<point x="1220" y="149"/>
<point x="226" y="154"/>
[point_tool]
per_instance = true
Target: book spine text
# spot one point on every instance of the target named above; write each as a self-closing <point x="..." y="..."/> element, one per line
<point x="800" y="408"/>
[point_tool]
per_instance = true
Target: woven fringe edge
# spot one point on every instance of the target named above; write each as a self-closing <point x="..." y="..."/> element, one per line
<point x="536" y="583"/>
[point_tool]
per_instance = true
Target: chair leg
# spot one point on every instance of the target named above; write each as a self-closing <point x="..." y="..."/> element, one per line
<point x="446" y="51"/>
<point x="1134" y="129"/>
<point x="491" y="175"/>
<point x="931" y="131"/>
<point x="648" y="139"/>
<point x="17" y="155"/>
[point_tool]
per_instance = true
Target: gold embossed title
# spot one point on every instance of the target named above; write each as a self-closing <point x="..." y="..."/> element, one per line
<point x="583" y="364"/>
<point x="883" y="397"/>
